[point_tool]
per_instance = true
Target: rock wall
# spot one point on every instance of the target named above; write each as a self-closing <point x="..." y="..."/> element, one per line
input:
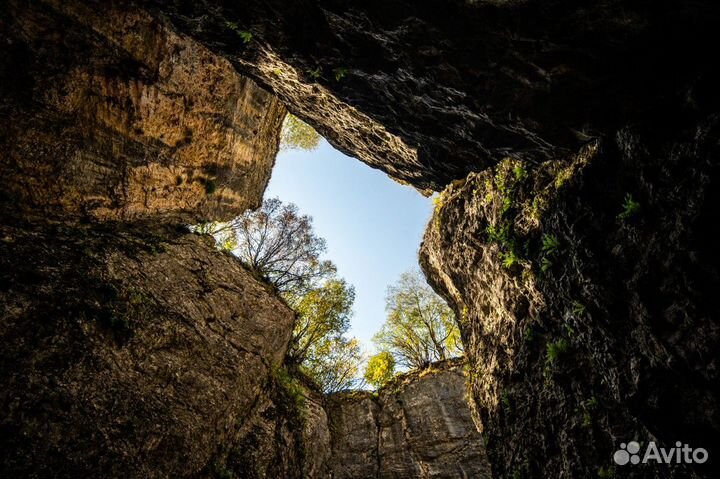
<point x="286" y="435"/>
<point x="575" y="239"/>
<point x="109" y="115"/>
<point x="583" y="290"/>
<point x="132" y="347"/>
<point x="419" y="426"/>
<point x="125" y="353"/>
<point x="610" y="107"/>
<point x="429" y="91"/>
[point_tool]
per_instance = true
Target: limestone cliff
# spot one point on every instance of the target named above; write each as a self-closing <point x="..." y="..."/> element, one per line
<point x="127" y="354"/>
<point x="132" y="348"/>
<point x="418" y="426"/>
<point x="109" y="115"/>
<point x="583" y="290"/>
<point x="429" y="91"/>
<point x="575" y="240"/>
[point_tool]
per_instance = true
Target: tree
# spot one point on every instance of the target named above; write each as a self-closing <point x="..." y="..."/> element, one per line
<point x="420" y="328"/>
<point x="380" y="369"/>
<point x="296" y="134"/>
<point x="277" y="243"/>
<point x="322" y="312"/>
<point x="334" y="364"/>
<point x="319" y="346"/>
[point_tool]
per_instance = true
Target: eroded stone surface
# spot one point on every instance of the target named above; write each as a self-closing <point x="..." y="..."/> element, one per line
<point x="419" y="426"/>
<point x="447" y="88"/>
<point x="127" y="354"/>
<point x="588" y="322"/>
<point x="108" y="114"/>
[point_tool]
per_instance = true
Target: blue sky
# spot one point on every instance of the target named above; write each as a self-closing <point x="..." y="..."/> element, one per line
<point x="373" y="225"/>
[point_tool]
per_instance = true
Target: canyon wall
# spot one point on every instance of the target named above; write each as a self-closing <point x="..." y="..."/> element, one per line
<point x="108" y="115"/>
<point x="132" y="348"/>
<point x="583" y="289"/>
<point x="578" y="149"/>
<point x="417" y="426"/>
<point x="579" y="146"/>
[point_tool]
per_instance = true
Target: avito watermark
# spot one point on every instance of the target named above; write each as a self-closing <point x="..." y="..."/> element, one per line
<point x="680" y="454"/>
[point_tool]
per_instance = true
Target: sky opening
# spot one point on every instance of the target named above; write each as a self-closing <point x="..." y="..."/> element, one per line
<point x="373" y="226"/>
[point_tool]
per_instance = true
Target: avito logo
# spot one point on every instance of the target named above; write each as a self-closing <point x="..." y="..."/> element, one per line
<point x="680" y="454"/>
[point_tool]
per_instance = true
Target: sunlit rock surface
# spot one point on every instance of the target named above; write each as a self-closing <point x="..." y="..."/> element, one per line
<point x="109" y="115"/>
<point x="418" y="426"/>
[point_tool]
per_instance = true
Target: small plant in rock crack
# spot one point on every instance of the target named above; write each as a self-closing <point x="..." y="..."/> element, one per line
<point x="520" y="172"/>
<point x="245" y="35"/>
<point x="550" y="244"/>
<point x="578" y="309"/>
<point x="529" y="335"/>
<point x="340" y="73"/>
<point x="545" y="265"/>
<point x="509" y="259"/>
<point x="506" y="401"/>
<point x="630" y="208"/>
<point x="555" y="349"/>
<point x="550" y="248"/>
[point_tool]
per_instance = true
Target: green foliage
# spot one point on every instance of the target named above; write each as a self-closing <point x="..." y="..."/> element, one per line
<point x="503" y="188"/>
<point x="278" y="245"/>
<point x="298" y="135"/>
<point x="321" y="312"/>
<point x="420" y="328"/>
<point x="506" y="401"/>
<point x="291" y="386"/>
<point x="555" y="349"/>
<point x="519" y="172"/>
<point x="529" y="335"/>
<point x="340" y="73"/>
<point x="550" y="244"/>
<point x="380" y="369"/>
<point x="499" y="234"/>
<point x="315" y="74"/>
<point x="548" y="251"/>
<point x="545" y="265"/>
<point x="243" y="34"/>
<point x="318" y="343"/>
<point x="630" y="208"/>
<point x="509" y="259"/>
<point x="246" y="36"/>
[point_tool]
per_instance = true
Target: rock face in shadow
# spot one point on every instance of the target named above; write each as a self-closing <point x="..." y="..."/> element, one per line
<point x="109" y="115"/>
<point x="584" y="292"/>
<point x="429" y="91"/>
<point x="127" y="354"/>
<point x="132" y="348"/>
<point x="579" y="148"/>
<point x="286" y="435"/>
<point x="419" y="426"/>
